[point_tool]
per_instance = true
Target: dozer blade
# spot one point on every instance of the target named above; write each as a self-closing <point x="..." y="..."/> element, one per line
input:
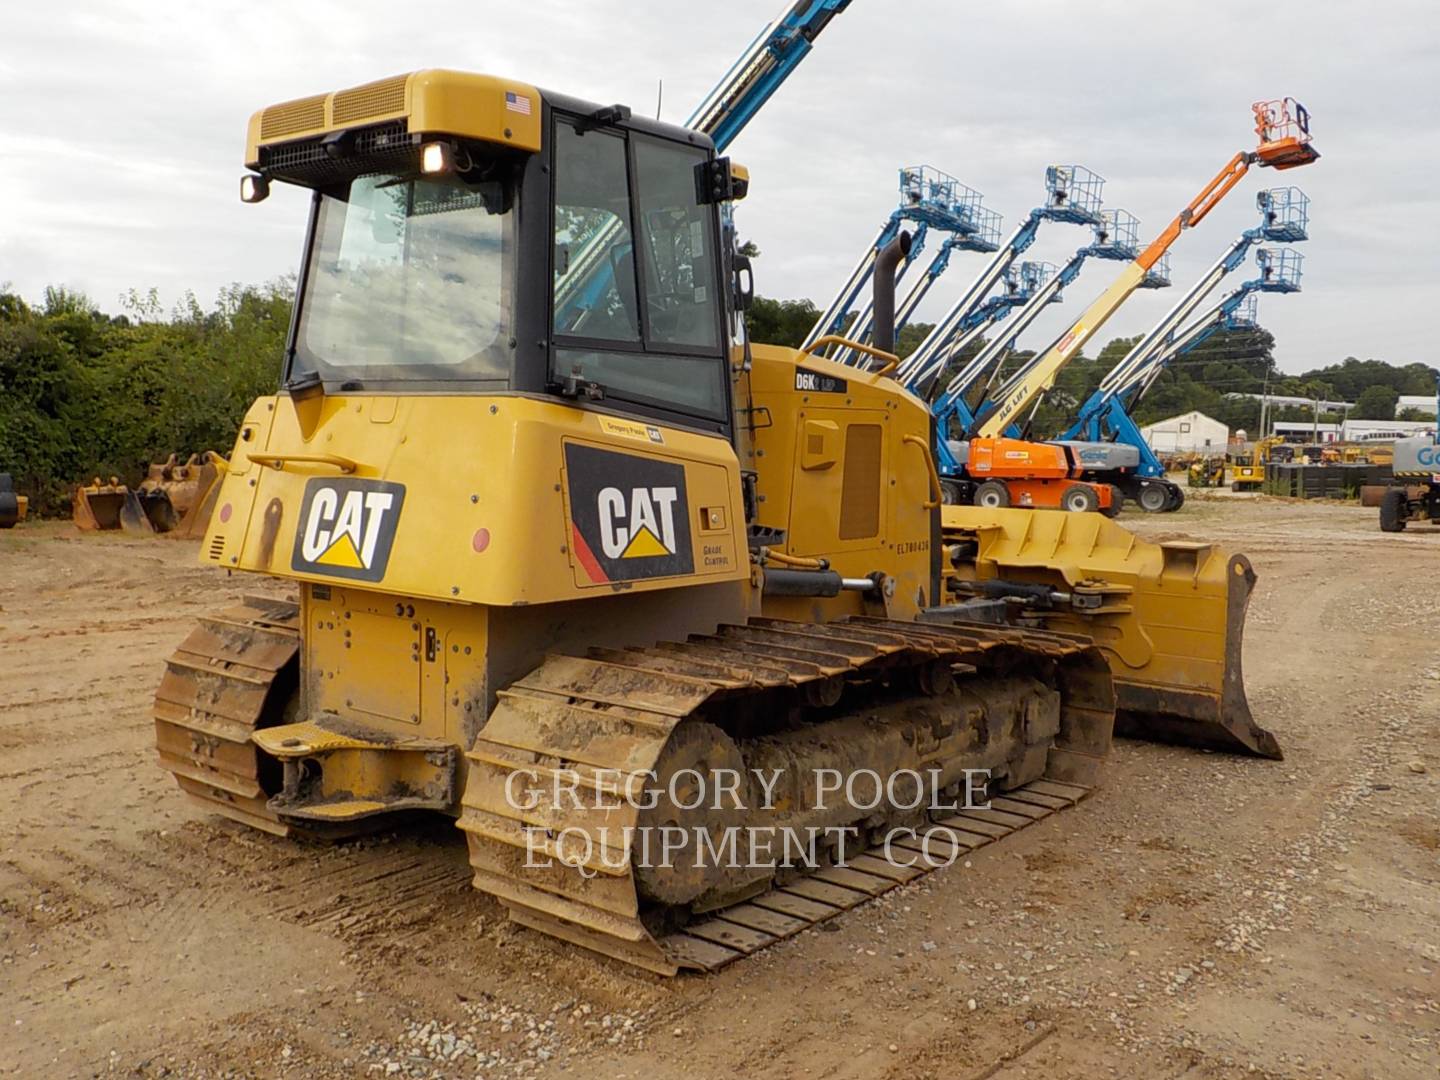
<point x="1169" y="617"/>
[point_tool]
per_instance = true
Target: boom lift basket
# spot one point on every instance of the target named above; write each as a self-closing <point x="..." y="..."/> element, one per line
<point x="1032" y="276"/>
<point x="1158" y="276"/>
<point x="1287" y="213"/>
<point x="1279" y="269"/>
<point x="934" y="198"/>
<point x="986" y="237"/>
<point x="1117" y="236"/>
<point x="1246" y="316"/>
<point x="1074" y="194"/>
<point x="1284" y="129"/>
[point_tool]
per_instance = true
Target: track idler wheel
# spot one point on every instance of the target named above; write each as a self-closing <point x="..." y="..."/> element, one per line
<point x="690" y="794"/>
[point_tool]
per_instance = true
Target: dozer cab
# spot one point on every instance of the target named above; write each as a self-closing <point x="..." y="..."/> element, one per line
<point x="567" y="556"/>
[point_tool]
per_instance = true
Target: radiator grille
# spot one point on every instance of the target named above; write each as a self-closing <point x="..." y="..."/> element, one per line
<point x="860" y="491"/>
<point x="374" y="99"/>
<point x="376" y="149"/>
<point x="306" y="114"/>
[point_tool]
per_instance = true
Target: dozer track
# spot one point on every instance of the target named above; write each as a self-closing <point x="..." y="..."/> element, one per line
<point x="1033" y="707"/>
<point x="236" y="672"/>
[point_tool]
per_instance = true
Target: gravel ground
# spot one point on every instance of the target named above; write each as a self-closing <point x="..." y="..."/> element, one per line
<point x="1199" y="916"/>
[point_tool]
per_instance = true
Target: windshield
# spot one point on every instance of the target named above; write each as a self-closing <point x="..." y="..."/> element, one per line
<point x="409" y="279"/>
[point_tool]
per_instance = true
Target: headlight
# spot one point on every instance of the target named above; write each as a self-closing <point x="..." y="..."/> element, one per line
<point x="254" y="188"/>
<point x="434" y="158"/>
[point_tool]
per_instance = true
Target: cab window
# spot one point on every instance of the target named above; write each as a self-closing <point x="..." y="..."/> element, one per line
<point x="636" y="308"/>
<point x="594" y="248"/>
<point x="679" y="245"/>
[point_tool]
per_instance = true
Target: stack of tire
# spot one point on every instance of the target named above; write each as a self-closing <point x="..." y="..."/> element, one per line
<point x="12" y="506"/>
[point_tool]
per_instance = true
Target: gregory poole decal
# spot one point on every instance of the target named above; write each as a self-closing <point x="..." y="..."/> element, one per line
<point x="347" y="528"/>
<point x="629" y="515"/>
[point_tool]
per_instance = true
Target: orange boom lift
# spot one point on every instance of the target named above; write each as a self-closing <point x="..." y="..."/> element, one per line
<point x="1015" y="471"/>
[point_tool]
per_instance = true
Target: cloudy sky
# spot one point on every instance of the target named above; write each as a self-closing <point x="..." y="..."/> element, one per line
<point x="124" y="131"/>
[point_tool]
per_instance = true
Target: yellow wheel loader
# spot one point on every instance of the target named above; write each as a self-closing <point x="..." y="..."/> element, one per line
<point x="570" y="561"/>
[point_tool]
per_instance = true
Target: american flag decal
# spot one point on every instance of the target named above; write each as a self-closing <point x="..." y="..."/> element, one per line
<point x="517" y="103"/>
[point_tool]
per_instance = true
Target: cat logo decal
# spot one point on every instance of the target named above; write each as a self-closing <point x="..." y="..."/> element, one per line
<point x="347" y="528"/>
<point x="629" y="515"/>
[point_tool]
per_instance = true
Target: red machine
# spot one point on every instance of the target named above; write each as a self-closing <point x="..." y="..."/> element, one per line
<point x="1016" y="472"/>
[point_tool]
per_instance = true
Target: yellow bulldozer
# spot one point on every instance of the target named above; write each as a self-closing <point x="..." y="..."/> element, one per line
<point x="572" y="556"/>
<point x="1247" y="470"/>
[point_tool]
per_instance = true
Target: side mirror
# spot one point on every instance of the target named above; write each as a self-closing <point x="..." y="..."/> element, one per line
<point x="744" y="282"/>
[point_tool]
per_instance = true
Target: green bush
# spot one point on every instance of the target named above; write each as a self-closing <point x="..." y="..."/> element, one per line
<point x="85" y="394"/>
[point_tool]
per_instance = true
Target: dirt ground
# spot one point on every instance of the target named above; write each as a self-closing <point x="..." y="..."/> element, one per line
<point x="1199" y="916"/>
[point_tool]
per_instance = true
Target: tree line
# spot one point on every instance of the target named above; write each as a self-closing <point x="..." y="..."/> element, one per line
<point x="1227" y="362"/>
<point x="84" y="393"/>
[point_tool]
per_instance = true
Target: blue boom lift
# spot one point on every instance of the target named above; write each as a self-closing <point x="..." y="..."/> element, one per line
<point x="1104" y="436"/>
<point x="1073" y="194"/>
<point x="957" y="414"/>
<point x="765" y="64"/>
<point x="928" y="199"/>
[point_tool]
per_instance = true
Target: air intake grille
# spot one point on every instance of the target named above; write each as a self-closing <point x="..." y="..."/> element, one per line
<point x="860" y="490"/>
<point x="217" y="549"/>
<point x="371" y="100"/>
<point x="376" y="149"/>
<point x="306" y="114"/>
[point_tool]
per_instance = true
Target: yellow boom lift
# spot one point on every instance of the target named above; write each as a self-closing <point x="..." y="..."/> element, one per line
<point x="554" y="532"/>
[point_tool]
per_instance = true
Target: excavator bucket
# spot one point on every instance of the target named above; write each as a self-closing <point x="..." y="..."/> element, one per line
<point x="103" y="507"/>
<point x="1168" y="617"/>
<point x="177" y="497"/>
<point x="195" y="517"/>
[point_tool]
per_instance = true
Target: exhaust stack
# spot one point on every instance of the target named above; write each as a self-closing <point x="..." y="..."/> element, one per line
<point x="883" y="305"/>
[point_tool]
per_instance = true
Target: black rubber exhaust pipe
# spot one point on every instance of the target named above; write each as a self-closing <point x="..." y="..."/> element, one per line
<point x="883" y="306"/>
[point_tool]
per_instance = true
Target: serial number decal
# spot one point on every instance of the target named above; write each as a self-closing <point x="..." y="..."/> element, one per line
<point x="815" y="382"/>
